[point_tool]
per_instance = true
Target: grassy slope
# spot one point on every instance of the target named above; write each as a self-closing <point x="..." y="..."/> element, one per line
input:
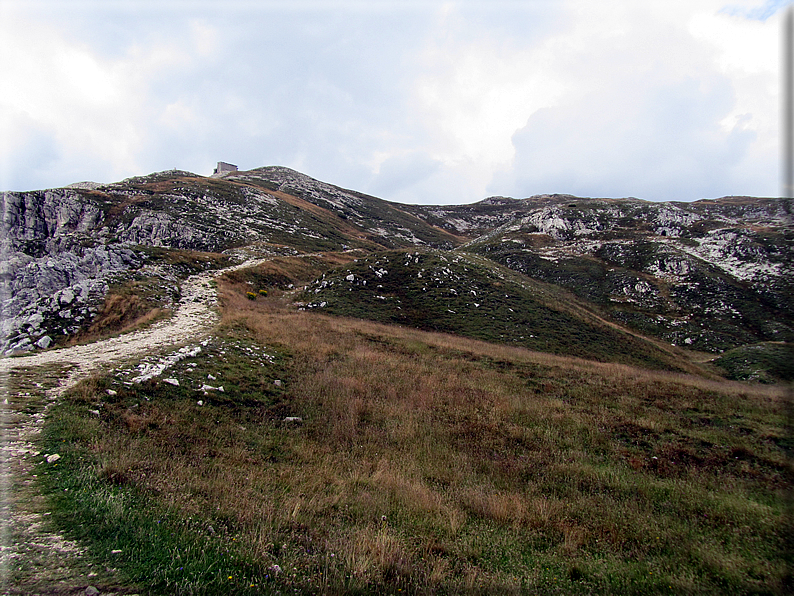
<point x="764" y="363"/>
<point x="474" y="297"/>
<point x="425" y="463"/>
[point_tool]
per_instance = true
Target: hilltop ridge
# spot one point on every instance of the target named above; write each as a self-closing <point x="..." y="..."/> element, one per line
<point x="712" y="275"/>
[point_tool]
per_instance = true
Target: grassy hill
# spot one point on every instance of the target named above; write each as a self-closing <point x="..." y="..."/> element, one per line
<point x="477" y="399"/>
<point x="470" y="296"/>
<point x="655" y="288"/>
<point x="424" y="463"/>
<point x="764" y="363"/>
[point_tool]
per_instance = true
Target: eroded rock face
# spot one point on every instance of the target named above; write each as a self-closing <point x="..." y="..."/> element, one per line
<point x="53" y="269"/>
<point x="45" y="217"/>
<point x="161" y="229"/>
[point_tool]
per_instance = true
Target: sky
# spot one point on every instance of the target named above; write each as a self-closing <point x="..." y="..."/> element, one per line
<point x="413" y="101"/>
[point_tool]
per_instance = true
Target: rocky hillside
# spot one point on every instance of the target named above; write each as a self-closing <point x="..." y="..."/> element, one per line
<point x="710" y="276"/>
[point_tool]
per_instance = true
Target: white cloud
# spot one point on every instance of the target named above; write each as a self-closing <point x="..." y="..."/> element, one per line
<point x="413" y="101"/>
<point x="654" y="111"/>
<point x="95" y="108"/>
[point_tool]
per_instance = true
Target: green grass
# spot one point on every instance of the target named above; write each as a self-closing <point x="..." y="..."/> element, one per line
<point x="474" y="297"/>
<point x="153" y="545"/>
<point x="425" y="463"/>
<point x="95" y="488"/>
<point x="764" y="363"/>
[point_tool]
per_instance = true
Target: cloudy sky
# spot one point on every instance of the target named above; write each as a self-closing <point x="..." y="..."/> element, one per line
<point x="414" y="101"/>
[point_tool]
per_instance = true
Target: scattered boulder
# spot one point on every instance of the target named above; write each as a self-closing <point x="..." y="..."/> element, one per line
<point x="66" y="297"/>
<point x="206" y="388"/>
<point x="44" y="342"/>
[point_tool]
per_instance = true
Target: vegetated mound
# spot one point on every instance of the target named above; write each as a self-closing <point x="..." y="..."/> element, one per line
<point x="470" y="296"/>
<point x="283" y="273"/>
<point x="764" y="363"/>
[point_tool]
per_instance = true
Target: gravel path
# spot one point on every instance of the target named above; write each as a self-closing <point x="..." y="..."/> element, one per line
<point x="34" y="558"/>
<point x="193" y="318"/>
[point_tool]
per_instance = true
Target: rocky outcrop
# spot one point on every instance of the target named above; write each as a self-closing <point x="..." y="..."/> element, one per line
<point x="54" y="268"/>
<point x="56" y="294"/>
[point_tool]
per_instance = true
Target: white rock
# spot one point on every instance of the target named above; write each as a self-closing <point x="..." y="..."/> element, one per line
<point x="53" y="458"/>
<point x="35" y="320"/>
<point x="44" y="342"/>
<point x="173" y="382"/>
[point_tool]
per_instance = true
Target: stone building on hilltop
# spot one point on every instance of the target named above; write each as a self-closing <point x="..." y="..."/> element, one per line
<point x="224" y="168"/>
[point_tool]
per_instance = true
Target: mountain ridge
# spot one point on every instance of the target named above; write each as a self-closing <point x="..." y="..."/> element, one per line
<point x="711" y="275"/>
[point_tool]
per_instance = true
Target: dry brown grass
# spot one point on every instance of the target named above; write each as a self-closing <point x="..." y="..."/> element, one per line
<point x="280" y="272"/>
<point x="120" y="313"/>
<point x="427" y="460"/>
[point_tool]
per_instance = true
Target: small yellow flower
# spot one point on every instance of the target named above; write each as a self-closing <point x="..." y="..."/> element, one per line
<point x="230" y="577"/>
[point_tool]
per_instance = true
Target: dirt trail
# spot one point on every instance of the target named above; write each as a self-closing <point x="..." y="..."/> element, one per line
<point x="34" y="558"/>
<point x="193" y="318"/>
